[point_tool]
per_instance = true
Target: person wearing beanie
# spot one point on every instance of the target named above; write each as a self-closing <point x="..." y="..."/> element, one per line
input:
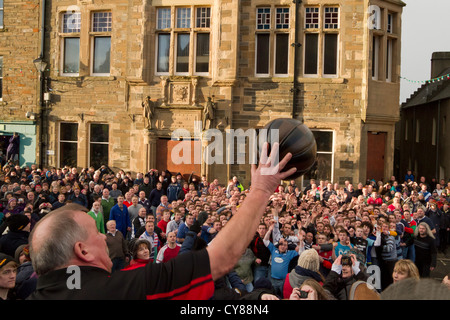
<point x="13" y="206"/>
<point x="19" y="230"/>
<point x="8" y="272"/>
<point x="26" y="278"/>
<point x="307" y="268"/>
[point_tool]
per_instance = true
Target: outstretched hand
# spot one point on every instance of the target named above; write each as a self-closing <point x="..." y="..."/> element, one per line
<point x="267" y="176"/>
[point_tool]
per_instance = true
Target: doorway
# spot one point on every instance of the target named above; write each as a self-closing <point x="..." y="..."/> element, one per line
<point x="376" y="149"/>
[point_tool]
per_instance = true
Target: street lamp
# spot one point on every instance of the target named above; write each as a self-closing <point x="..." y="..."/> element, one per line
<point x="41" y="65"/>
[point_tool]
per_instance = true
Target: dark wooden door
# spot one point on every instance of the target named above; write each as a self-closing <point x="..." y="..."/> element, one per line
<point x="376" y="149"/>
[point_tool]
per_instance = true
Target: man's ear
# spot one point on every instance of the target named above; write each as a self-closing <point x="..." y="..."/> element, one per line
<point x="82" y="252"/>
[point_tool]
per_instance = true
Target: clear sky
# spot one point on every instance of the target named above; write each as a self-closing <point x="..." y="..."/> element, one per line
<point x="425" y="29"/>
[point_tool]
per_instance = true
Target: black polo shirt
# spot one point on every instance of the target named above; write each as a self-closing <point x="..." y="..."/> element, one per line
<point x="186" y="277"/>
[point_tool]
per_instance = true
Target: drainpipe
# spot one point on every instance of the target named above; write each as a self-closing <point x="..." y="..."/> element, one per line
<point x="296" y="46"/>
<point x="42" y="88"/>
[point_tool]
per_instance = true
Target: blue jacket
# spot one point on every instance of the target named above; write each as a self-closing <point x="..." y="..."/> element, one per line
<point x="121" y="217"/>
<point x="172" y="191"/>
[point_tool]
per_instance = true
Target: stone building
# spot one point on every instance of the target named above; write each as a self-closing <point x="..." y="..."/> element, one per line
<point x="19" y="79"/>
<point x="333" y="64"/>
<point x="422" y="144"/>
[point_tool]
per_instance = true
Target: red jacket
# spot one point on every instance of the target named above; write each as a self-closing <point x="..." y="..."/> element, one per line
<point x="136" y="263"/>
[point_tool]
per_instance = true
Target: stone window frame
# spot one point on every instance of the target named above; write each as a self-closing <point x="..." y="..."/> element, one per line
<point x="90" y="142"/>
<point x="376" y="46"/>
<point x="271" y="27"/>
<point x="173" y="31"/>
<point x="390" y="22"/>
<point x="67" y="32"/>
<point x="306" y="177"/>
<point x="60" y="165"/>
<point x="2" y="14"/>
<point x="93" y="34"/>
<point x="323" y="30"/>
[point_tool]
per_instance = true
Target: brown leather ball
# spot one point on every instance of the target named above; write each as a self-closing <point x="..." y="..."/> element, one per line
<point x="296" y="138"/>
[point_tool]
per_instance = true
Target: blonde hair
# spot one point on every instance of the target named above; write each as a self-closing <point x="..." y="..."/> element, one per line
<point x="408" y="267"/>
<point x="321" y="293"/>
<point x="429" y="233"/>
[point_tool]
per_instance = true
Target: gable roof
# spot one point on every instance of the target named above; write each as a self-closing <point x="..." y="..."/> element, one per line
<point x="430" y="91"/>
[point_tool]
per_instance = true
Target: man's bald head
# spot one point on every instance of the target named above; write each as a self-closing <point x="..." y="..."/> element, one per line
<point x="53" y="238"/>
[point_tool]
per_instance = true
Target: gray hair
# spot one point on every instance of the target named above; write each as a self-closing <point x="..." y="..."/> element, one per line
<point x="429" y="233"/>
<point x="56" y="250"/>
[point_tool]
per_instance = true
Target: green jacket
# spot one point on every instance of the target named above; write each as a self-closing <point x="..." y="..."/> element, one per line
<point x="107" y="205"/>
<point x="98" y="221"/>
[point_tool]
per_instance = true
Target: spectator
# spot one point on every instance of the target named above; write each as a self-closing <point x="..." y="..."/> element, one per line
<point x="117" y="247"/>
<point x="170" y="250"/>
<point x="119" y="213"/>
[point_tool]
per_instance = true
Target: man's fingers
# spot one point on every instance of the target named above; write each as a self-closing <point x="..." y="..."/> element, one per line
<point x="263" y="156"/>
<point x="284" y="175"/>
<point x="285" y="161"/>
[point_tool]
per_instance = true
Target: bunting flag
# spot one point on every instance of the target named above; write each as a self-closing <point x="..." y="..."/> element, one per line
<point x="440" y="78"/>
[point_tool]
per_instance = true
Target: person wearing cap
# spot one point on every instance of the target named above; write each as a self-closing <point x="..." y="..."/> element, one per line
<point x="8" y="273"/>
<point x="19" y="229"/>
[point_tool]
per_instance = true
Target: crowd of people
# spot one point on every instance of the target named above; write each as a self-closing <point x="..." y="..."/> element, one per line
<point x="323" y="242"/>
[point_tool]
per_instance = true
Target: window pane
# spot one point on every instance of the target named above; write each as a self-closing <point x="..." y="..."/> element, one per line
<point x="183" y="17"/>
<point x="71" y="22"/>
<point x="324" y="140"/>
<point x="68" y="150"/>
<point x="311" y="49"/>
<point x="203" y="17"/>
<point x="102" y="52"/>
<point x="183" y="53"/>
<point x="68" y="154"/>
<point x="71" y="55"/>
<point x="263" y="18"/>
<point x="163" y="52"/>
<point x="311" y="18"/>
<point x="1" y="18"/>
<point x="68" y="132"/>
<point x="163" y="18"/>
<point x="102" y="22"/>
<point x="282" y="54"/>
<point x="99" y="132"/>
<point x="98" y="155"/>
<point x="330" y="54"/>
<point x="202" y="59"/>
<point x="282" y="18"/>
<point x="321" y="169"/>
<point x="331" y="20"/>
<point x="262" y="53"/>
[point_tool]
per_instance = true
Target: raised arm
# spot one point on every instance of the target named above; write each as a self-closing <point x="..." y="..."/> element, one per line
<point x="231" y="242"/>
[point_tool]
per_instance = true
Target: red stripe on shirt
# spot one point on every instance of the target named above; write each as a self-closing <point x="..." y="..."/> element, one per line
<point x="198" y="289"/>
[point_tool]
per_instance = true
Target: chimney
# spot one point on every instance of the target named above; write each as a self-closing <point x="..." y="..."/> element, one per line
<point x="439" y="62"/>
